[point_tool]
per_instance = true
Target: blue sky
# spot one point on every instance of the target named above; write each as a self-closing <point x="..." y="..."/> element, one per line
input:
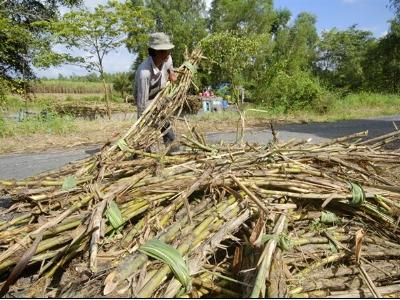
<point x="369" y="15"/>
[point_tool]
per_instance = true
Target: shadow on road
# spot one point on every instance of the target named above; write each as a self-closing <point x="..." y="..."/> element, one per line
<point x="342" y="128"/>
<point x="92" y="151"/>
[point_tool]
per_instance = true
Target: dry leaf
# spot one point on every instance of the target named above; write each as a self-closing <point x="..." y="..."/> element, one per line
<point x="359" y="239"/>
<point x="255" y="237"/>
<point x="237" y="260"/>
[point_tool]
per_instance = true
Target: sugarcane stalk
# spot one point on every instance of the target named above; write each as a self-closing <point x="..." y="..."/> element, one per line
<point x="44" y="227"/>
<point x="216" y="289"/>
<point x="199" y="233"/>
<point x="329" y="259"/>
<point x="250" y="194"/>
<point x="265" y="264"/>
<point x="133" y="263"/>
<point x="363" y="292"/>
<point x="196" y="262"/>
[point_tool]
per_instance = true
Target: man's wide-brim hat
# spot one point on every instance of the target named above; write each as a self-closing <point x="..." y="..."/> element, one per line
<point x="160" y="41"/>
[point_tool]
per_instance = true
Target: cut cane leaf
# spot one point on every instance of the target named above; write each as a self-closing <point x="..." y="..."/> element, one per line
<point x="267" y="237"/>
<point x="285" y="242"/>
<point x="122" y="145"/>
<point x="328" y="217"/>
<point x="190" y="67"/>
<point x="69" y="183"/>
<point x="333" y="247"/>
<point x="114" y="215"/>
<point x="169" y="255"/>
<point x="358" y="195"/>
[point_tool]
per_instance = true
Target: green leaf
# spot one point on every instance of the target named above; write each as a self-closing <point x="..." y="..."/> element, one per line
<point x="333" y="247"/>
<point x="267" y="237"/>
<point x="190" y="67"/>
<point x="285" y="242"/>
<point x="114" y="215"/>
<point x="328" y="217"/>
<point x="358" y="195"/>
<point x="122" y="145"/>
<point x="69" y="183"/>
<point x="169" y="255"/>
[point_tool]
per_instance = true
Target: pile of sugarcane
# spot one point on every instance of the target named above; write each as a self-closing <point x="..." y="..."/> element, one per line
<point x="287" y="219"/>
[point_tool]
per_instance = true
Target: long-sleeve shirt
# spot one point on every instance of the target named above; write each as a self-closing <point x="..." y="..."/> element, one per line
<point x="149" y="80"/>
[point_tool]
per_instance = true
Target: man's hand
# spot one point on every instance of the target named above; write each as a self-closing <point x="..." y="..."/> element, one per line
<point x="172" y="76"/>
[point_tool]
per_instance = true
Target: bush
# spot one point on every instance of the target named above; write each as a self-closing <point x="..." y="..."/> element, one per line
<point x="287" y="92"/>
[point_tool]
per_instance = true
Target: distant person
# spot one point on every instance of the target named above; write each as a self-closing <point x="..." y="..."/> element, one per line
<point x="153" y="74"/>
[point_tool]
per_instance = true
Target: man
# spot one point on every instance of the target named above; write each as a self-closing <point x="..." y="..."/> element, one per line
<point x="153" y="74"/>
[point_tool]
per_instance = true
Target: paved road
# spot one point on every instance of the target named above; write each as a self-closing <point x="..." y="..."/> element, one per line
<point x="22" y="166"/>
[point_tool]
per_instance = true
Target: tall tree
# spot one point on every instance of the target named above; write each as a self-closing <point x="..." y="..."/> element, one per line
<point x="382" y="62"/>
<point x="99" y="32"/>
<point x="341" y="54"/>
<point x="287" y="82"/>
<point x="242" y="16"/>
<point x="296" y="45"/>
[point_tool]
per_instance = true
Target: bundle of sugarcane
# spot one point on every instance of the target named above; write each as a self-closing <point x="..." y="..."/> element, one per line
<point x="194" y="202"/>
<point x="144" y="133"/>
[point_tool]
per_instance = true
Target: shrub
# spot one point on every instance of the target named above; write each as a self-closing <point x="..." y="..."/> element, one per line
<point x="289" y="92"/>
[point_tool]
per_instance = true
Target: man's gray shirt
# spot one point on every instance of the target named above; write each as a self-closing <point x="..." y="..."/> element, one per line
<point x="149" y="80"/>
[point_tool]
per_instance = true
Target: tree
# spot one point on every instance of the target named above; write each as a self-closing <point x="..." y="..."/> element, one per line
<point x="297" y="45"/>
<point x="395" y="4"/>
<point x="100" y="31"/>
<point x="341" y="54"/>
<point x="382" y="62"/>
<point x="286" y="80"/>
<point x="23" y="41"/>
<point x="242" y="16"/>
<point x="231" y="54"/>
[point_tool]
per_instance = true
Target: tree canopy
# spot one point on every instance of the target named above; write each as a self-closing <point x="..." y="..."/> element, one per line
<point x="22" y="40"/>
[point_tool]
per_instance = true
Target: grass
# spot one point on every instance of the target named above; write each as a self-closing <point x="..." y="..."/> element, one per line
<point x="13" y="103"/>
<point x="363" y="105"/>
<point x="49" y="124"/>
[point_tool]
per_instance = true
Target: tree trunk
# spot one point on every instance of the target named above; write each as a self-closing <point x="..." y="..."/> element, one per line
<point x="106" y="96"/>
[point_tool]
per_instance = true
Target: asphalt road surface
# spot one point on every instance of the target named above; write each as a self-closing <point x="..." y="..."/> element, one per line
<point x="25" y="165"/>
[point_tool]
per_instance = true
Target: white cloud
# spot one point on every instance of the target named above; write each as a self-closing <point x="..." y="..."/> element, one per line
<point x="383" y="34"/>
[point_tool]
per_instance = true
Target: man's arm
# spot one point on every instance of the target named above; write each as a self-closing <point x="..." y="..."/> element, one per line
<point x="142" y="91"/>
